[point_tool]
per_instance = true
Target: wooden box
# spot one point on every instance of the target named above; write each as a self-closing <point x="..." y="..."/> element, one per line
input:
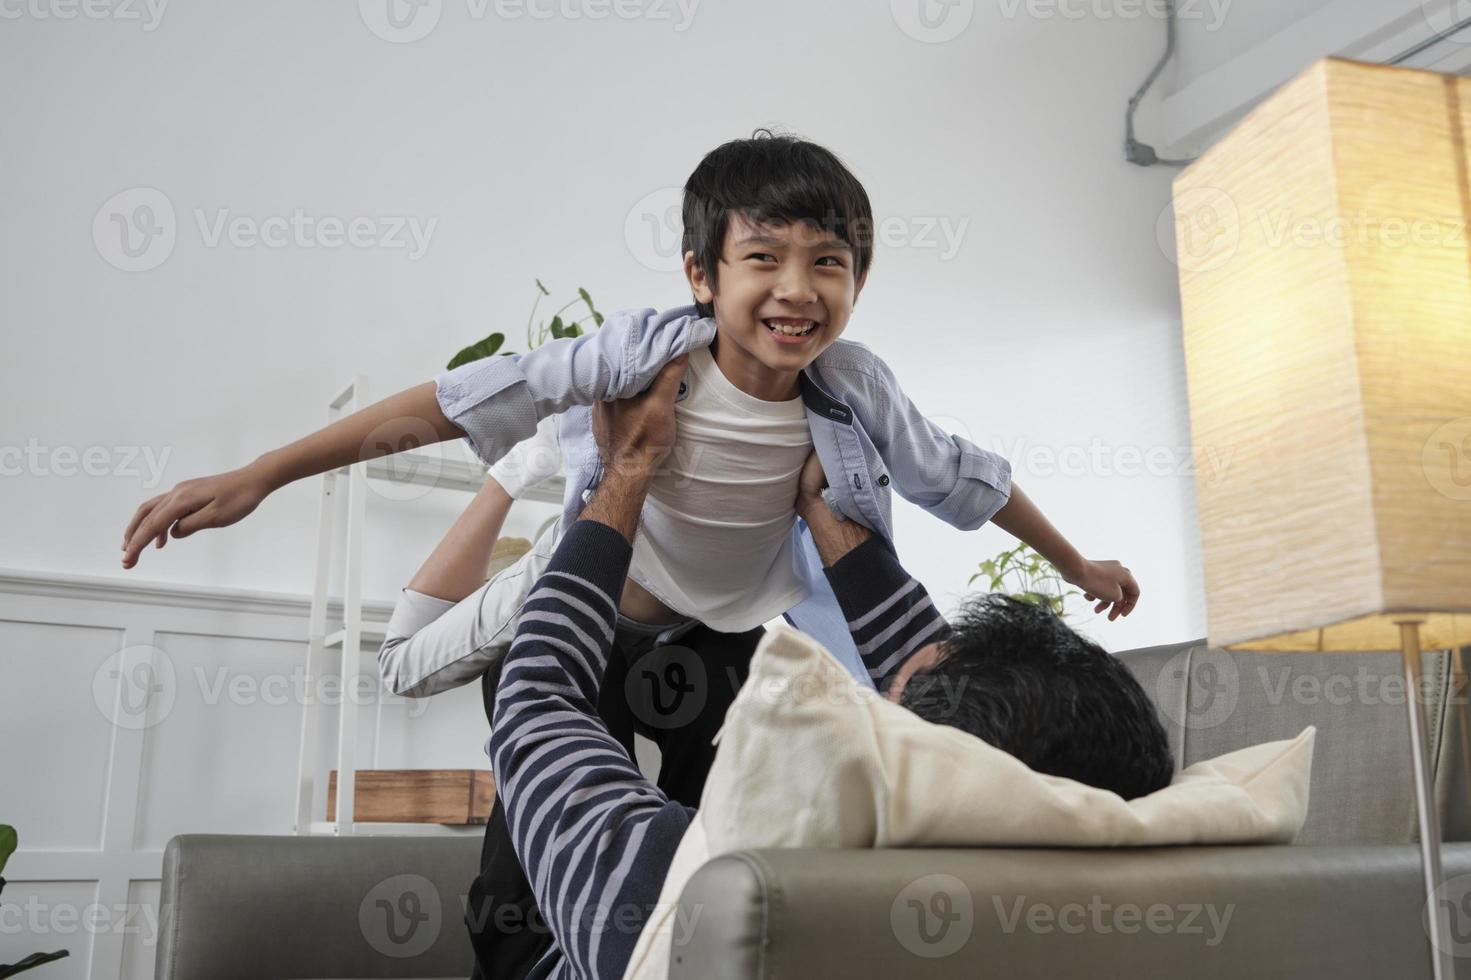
<point x="459" y="797"/>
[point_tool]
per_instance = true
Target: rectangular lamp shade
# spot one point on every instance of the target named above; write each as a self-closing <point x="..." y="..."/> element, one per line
<point x="1325" y="282"/>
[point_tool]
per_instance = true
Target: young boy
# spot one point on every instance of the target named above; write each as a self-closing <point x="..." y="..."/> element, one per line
<point x="777" y="247"/>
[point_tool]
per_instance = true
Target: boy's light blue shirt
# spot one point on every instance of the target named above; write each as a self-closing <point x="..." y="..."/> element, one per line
<point x="868" y="435"/>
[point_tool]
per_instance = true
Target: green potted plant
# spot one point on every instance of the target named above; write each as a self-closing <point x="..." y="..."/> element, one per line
<point x="508" y="550"/>
<point x="1023" y="574"/>
<point x="554" y="329"/>
<point x="8" y="842"/>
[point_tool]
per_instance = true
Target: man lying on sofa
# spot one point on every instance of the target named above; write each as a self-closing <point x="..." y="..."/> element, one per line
<point x="596" y="838"/>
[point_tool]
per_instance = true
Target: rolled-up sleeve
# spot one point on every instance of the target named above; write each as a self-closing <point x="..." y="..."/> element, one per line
<point x="413" y="612"/>
<point x="498" y="400"/>
<point x="951" y="477"/>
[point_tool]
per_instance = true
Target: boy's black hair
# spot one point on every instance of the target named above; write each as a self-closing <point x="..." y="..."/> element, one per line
<point x="778" y="179"/>
<point x="1016" y="676"/>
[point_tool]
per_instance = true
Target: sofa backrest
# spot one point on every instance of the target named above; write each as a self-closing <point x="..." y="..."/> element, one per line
<point x="1214" y="701"/>
<point x="250" y="907"/>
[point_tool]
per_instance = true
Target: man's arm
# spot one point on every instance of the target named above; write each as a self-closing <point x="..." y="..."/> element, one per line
<point x="889" y="613"/>
<point x="594" y="837"/>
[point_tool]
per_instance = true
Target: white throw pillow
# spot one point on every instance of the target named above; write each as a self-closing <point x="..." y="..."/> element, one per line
<point x="809" y="757"/>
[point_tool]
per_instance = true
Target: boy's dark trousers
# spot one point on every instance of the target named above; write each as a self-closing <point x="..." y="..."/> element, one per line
<point x="676" y="695"/>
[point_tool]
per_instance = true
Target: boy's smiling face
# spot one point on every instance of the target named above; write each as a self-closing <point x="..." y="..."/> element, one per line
<point x="785" y="293"/>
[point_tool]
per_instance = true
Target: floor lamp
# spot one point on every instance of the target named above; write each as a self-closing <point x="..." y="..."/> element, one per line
<point x="1325" y="281"/>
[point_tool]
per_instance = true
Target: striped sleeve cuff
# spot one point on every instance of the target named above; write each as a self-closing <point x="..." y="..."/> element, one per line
<point x="889" y="613"/>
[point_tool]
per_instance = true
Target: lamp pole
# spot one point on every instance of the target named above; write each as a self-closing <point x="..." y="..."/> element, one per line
<point x="1441" y="965"/>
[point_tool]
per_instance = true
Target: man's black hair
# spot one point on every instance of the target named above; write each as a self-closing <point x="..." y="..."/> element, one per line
<point x="776" y="179"/>
<point x="1015" y="675"/>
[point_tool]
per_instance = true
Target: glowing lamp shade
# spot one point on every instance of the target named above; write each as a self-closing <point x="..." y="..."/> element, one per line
<point x="1325" y="279"/>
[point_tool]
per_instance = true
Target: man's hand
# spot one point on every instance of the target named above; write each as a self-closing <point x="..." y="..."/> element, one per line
<point x="634" y="435"/>
<point x="211" y="501"/>
<point x="1107" y="583"/>
<point x="834" y="538"/>
<point x="810" y="486"/>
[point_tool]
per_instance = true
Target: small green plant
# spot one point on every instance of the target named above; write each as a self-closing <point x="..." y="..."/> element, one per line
<point x="554" y="329"/>
<point x="8" y="842"/>
<point x="1032" y="578"/>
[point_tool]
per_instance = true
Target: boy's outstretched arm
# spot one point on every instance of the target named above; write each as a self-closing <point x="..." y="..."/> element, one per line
<point x="400" y="422"/>
<point x="967" y="486"/>
<point x="492" y="403"/>
<point x="1106" y="582"/>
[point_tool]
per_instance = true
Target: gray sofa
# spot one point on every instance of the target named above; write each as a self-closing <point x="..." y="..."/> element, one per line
<point x="1343" y="901"/>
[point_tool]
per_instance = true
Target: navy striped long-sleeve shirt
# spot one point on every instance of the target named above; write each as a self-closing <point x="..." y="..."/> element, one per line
<point x="595" y="837"/>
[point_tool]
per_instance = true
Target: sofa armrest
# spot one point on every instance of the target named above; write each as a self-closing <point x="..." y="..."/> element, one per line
<point x="1209" y="913"/>
<point x="253" y="907"/>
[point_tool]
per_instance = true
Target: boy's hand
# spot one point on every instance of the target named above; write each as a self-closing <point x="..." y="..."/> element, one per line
<point x="1107" y="583"/>
<point x="211" y="501"/>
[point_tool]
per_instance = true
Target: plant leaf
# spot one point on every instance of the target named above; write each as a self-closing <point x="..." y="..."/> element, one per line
<point x="542" y="288"/>
<point x="558" y="331"/>
<point x="8" y="841"/>
<point x="597" y="318"/>
<point x="35" y="959"/>
<point x="476" y="351"/>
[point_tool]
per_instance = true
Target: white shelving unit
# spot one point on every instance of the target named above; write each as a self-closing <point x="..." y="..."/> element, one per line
<point x="423" y="470"/>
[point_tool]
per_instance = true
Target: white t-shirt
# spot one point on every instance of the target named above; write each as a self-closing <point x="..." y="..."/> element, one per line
<point x="715" y="542"/>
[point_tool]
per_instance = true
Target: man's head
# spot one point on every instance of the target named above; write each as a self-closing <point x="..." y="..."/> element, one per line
<point x="776" y="227"/>
<point x="1015" y="675"/>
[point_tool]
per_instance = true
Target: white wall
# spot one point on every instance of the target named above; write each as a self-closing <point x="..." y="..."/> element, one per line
<point x="529" y="142"/>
